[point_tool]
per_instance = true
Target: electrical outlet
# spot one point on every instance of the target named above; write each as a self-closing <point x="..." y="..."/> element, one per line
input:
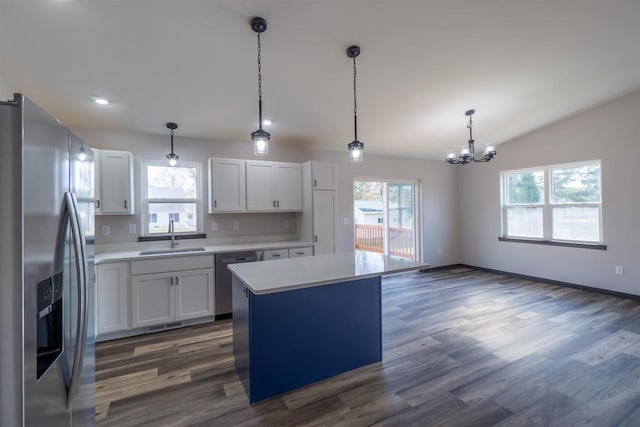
<point x="619" y="270"/>
<point x="214" y="226"/>
<point x="345" y="220"/>
<point x="132" y="229"/>
<point x="236" y="225"/>
<point x="106" y="230"/>
<point x="285" y="223"/>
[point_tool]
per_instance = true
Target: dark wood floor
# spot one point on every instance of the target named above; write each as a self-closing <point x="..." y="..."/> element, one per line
<point x="461" y="348"/>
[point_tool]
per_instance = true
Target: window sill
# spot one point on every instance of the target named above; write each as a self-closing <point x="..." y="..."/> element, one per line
<point x="167" y="237"/>
<point x="597" y="246"/>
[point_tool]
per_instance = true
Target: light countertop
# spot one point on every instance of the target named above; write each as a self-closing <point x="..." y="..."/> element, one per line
<point x="297" y="273"/>
<point x="134" y="253"/>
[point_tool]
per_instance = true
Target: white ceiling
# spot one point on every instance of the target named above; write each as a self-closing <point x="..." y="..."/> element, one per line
<point x="520" y="63"/>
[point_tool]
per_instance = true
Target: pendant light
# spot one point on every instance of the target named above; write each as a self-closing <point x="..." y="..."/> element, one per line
<point x="260" y="137"/>
<point x="468" y="154"/>
<point x="172" y="157"/>
<point x="356" y="147"/>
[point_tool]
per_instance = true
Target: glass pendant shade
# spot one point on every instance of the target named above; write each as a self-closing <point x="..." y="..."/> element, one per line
<point x="173" y="159"/>
<point x="356" y="150"/>
<point x="260" y="140"/>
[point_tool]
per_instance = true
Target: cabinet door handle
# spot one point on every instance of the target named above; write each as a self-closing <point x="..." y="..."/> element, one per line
<point x="274" y="203"/>
<point x="97" y="204"/>
<point x="215" y="203"/>
<point x="275" y="255"/>
<point x="177" y="281"/>
<point x="315" y="182"/>
<point x="277" y="203"/>
<point x="171" y="278"/>
<point x="299" y="253"/>
<point x="125" y="204"/>
<point x="315" y="239"/>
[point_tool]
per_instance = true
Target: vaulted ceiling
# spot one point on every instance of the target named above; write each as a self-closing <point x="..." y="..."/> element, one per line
<point x="520" y="64"/>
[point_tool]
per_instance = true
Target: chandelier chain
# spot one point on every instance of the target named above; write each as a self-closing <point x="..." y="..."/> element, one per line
<point x="259" y="69"/>
<point x="355" y="97"/>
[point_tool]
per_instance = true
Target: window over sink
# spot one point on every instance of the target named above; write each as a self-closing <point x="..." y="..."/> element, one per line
<point x="172" y="193"/>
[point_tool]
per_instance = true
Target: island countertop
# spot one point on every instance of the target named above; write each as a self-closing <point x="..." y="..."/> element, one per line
<point x="303" y="272"/>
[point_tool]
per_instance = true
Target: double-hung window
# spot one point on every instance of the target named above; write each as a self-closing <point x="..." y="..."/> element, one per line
<point x="172" y="193"/>
<point x="554" y="203"/>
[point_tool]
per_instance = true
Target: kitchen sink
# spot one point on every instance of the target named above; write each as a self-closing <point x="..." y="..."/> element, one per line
<point x="171" y="251"/>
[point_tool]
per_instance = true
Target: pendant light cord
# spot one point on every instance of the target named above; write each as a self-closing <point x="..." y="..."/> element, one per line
<point x="171" y="141"/>
<point x="355" y="103"/>
<point x="259" y="84"/>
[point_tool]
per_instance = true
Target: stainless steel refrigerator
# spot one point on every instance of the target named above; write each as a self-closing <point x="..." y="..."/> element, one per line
<point x="47" y="362"/>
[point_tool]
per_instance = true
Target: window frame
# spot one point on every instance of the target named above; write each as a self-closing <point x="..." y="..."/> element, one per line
<point x="547" y="205"/>
<point x="505" y="206"/>
<point x="146" y="200"/>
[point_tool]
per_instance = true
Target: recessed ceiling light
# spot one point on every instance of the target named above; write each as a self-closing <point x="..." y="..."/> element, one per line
<point x="100" y="100"/>
<point x="266" y="122"/>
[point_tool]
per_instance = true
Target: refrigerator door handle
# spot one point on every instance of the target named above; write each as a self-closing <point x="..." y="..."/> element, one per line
<point x="69" y="215"/>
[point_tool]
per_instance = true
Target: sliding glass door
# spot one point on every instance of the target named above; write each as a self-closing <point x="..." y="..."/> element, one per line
<point x="385" y="215"/>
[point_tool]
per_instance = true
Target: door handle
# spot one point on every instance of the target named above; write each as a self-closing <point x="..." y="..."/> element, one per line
<point x="69" y="216"/>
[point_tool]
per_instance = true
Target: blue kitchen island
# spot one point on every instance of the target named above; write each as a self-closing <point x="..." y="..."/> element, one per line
<point x="301" y="320"/>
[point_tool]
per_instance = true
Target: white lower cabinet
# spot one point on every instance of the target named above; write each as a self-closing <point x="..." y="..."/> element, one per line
<point x="152" y="299"/>
<point x="194" y="294"/>
<point x="276" y="254"/>
<point x="172" y="296"/>
<point x="112" y="290"/>
<point x="300" y="252"/>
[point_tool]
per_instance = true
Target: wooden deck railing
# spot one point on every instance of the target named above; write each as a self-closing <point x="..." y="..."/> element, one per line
<point x="370" y="238"/>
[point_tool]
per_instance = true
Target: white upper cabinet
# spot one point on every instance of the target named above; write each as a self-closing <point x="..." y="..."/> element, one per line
<point x="274" y="186"/>
<point x="260" y="186"/>
<point x="227" y="188"/>
<point x="288" y="186"/>
<point x="114" y="182"/>
<point x="323" y="176"/>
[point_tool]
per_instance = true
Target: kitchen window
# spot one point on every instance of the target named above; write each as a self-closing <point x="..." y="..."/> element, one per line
<point x="560" y="203"/>
<point x="172" y="193"/>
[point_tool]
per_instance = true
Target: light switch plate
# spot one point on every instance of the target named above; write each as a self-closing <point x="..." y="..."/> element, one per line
<point x="214" y="226"/>
<point x="106" y="230"/>
<point x="285" y="223"/>
<point x="236" y="225"/>
<point x="132" y="229"/>
<point x="346" y="221"/>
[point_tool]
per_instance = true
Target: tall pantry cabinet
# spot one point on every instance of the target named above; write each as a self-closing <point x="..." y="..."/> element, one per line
<point x="320" y="209"/>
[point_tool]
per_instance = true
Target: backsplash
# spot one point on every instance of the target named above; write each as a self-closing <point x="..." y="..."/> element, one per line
<point x="249" y="224"/>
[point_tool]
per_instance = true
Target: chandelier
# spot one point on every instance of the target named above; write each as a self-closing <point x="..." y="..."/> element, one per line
<point x="468" y="154"/>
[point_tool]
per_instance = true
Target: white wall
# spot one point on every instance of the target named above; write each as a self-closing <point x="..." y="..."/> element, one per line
<point x="439" y="202"/>
<point x="6" y="92"/>
<point x="611" y="133"/>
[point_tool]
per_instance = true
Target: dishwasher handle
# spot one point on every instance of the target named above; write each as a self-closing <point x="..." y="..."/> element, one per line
<point x="239" y="260"/>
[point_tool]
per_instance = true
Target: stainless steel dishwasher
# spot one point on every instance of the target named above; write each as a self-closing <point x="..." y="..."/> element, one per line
<point x="223" y="278"/>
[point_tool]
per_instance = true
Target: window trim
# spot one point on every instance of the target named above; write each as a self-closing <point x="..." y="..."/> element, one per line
<point x="547" y="208"/>
<point x="146" y="201"/>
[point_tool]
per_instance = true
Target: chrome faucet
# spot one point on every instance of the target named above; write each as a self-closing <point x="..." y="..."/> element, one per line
<point x="173" y="234"/>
